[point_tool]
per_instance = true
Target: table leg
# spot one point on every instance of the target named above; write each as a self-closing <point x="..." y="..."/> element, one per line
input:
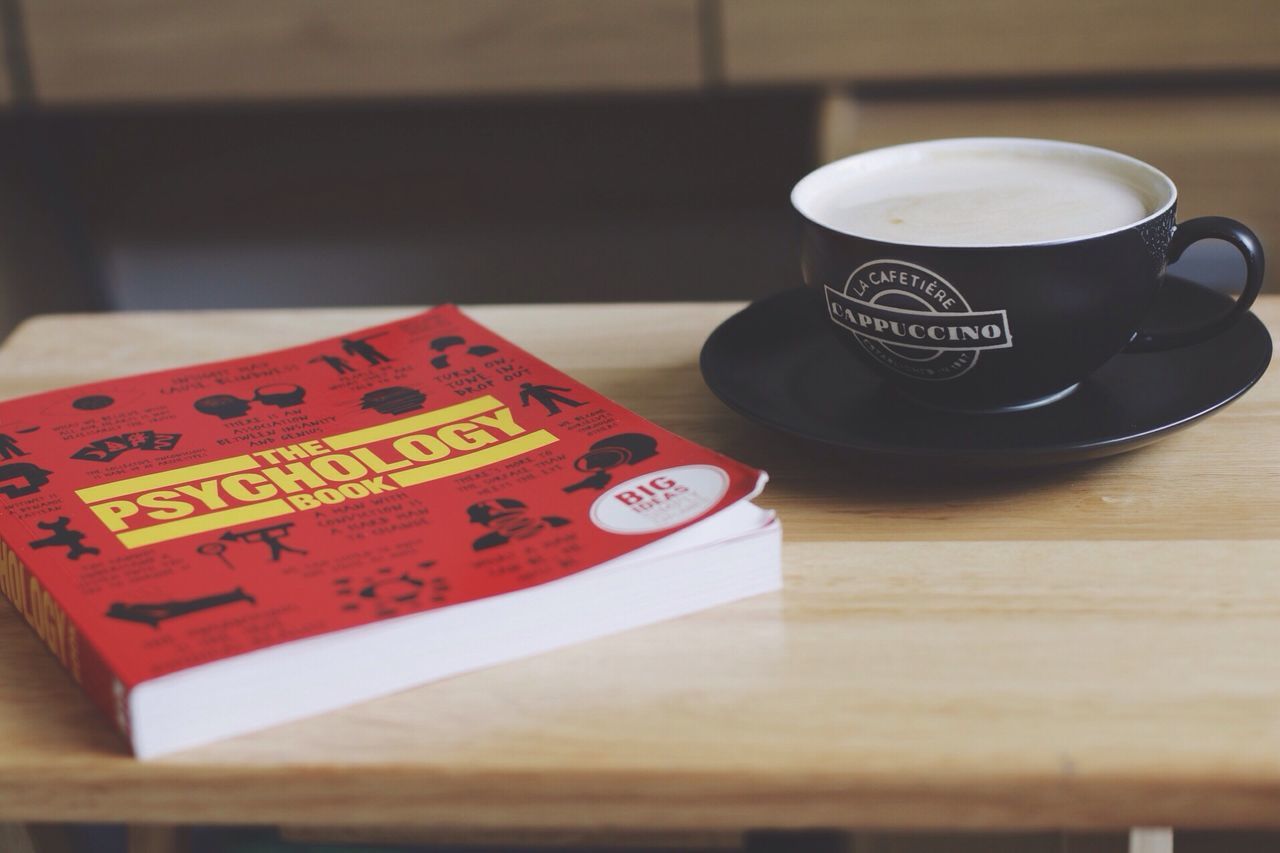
<point x="798" y="841"/>
<point x="1147" y="839"/>
<point x="15" y="838"/>
<point x="34" y="838"/>
<point x="155" y="838"/>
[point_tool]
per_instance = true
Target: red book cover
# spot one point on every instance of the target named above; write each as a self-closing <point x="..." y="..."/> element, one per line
<point x="160" y="522"/>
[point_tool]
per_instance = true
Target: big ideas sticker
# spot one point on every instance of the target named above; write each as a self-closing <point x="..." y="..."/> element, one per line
<point x="914" y="321"/>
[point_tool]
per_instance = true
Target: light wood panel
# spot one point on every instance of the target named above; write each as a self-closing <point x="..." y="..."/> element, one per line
<point x="89" y="51"/>
<point x="1085" y="648"/>
<point x="1147" y="840"/>
<point x="810" y="40"/>
<point x="1222" y="150"/>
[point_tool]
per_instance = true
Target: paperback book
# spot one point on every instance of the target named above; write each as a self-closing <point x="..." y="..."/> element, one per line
<point x="215" y="549"/>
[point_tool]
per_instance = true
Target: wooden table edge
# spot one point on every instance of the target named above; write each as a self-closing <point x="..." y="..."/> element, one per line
<point x="649" y="799"/>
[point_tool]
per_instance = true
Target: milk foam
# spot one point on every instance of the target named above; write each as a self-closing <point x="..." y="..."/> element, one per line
<point x="976" y="198"/>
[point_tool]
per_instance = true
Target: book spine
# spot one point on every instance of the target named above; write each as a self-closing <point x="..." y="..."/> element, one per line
<point x="55" y="628"/>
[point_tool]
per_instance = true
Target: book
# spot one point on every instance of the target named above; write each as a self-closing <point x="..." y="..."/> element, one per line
<point x="215" y="549"/>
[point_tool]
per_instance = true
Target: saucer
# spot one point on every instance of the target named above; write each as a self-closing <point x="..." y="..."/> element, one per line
<point x="777" y="364"/>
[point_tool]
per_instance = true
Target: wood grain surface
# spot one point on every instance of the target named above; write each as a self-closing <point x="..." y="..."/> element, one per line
<point x="88" y="51"/>
<point x="814" y="40"/>
<point x="1091" y="647"/>
<point x="1222" y="149"/>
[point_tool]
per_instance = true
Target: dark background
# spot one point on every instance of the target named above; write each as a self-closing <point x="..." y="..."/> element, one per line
<point x="164" y="154"/>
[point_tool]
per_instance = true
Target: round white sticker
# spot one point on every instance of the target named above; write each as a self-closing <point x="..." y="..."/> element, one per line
<point x="660" y="500"/>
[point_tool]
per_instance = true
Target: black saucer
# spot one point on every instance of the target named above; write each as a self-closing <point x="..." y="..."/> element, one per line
<point x="775" y="363"/>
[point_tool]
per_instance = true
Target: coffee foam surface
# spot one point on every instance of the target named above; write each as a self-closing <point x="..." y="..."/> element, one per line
<point x="980" y="198"/>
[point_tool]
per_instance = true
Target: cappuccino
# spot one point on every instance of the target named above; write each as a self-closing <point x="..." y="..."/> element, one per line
<point x="982" y="198"/>
<point x="996" y="274"/>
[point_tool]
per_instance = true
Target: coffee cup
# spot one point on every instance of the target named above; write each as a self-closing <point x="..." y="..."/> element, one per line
<point x="996" y="274"/>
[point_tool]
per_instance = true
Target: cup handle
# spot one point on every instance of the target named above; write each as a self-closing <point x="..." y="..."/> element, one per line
<point x="1193" y="231"/>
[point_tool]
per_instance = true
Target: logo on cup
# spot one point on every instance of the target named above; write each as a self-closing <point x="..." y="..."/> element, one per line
<point x="914" y="321"/>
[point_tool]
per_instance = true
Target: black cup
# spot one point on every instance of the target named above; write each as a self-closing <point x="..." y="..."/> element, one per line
<point x="1005" y="326"/>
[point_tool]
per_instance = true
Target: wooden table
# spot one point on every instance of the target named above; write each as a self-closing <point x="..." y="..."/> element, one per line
<point x="1097" y="647"/>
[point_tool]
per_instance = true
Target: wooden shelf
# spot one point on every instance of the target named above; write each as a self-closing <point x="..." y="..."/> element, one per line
<point x="816" y="40"/>
<point x="112" y="51"/>
<point x="101" y="51"/>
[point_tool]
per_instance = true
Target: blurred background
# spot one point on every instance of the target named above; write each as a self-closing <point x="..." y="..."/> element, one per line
<point x="220" y="153"/>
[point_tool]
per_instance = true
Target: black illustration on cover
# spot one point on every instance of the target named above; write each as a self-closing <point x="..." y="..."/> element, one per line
<point x="625" y="448"/>
<point x="153" y="613"/>
<point x="387" y="592"/>
<point x="92" y="402"/>
<point x="9" y="447"/>
<point x="224" y="406"/>
<point x="282" y="395"/>
<point x="107" y="449"/>
<point x="215" y="549"/>
<point x="446" y="342"/>
<point x="229" y="406"/>
<point x="439" y="586"/>
<point x="547" y="396"/>
<point x="271" y="536"/>
<point x="362" y="348"/>
<point x="62" y="536"/>
<point x="507" y="519"/>
<point x="339" y="365"/>
<point x="19" y="479"/>
<point x="395" y="400"/>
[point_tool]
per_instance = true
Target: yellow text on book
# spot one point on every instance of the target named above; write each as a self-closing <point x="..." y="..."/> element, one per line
<point x="167" y="505"/>
<point x="37" y="606"/>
